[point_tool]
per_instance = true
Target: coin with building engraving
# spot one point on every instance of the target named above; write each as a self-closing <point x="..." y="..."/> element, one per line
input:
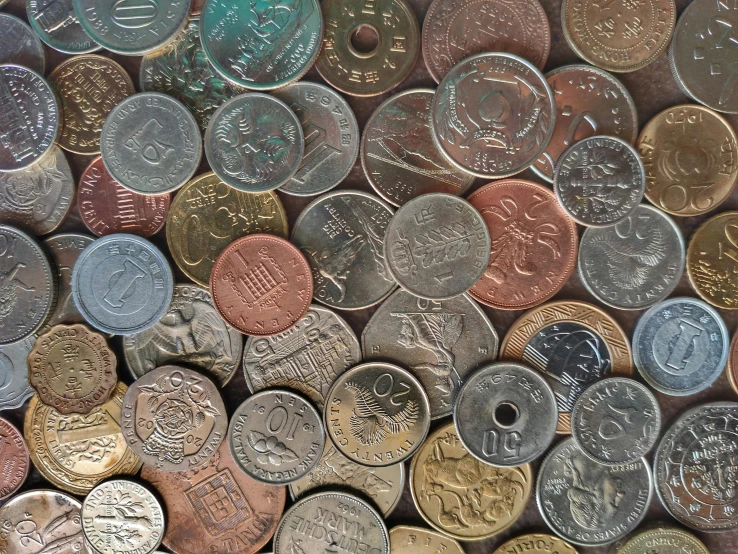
<point x="662" y="540"/>
<point x="405" y="539"/>
<point x="19" y="45"/>
<point x="14" y="386"/>
<point x="712" y="260"/>
<point x="536" y="543"/>
<point x="57" y="25"/>
<point x="13" y="459"/>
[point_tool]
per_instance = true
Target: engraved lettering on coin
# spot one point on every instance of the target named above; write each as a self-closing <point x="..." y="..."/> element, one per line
<point x="13" y="459"/>
<point x="14" y="386"/>
<point x="19" y="45"/>
<point x="662" y="540"/>
<point x="405" y="539"/>
<point x="57" y="25"/>
<point x="537" y="543"/>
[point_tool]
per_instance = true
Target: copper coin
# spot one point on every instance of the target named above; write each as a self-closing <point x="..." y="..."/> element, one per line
<point x="534" y="244"/>
<point x="731" y="368"/>
<point x="261" y="284"/>
<point x="13" y="459"/>
<point x="217" y="508"/>
<point x="106" y="207"/>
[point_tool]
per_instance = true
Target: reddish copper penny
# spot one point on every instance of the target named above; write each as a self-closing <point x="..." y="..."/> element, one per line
<point x="534" y="244"/>
<point x="261" y="284"/>
<point x="13" y="459"/>
<point x="107" y="207"/>
<point x="731" y="369"/>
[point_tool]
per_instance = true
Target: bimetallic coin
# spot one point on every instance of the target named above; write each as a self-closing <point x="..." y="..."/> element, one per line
<point x="417" y="540"/>
<point x="662" y="540"/>
<point x="341" y="234"/>
<point x="14" y="386"/>
<point x="19" y="45"/>
<point x="712" y="260"/>
<point x="537" y="543"/>
<point x="57" y="25"/>
<point x="13" y="459"/>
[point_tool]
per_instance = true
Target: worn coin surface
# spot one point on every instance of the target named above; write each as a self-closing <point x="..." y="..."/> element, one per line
<point x="57" y="25"/>
<point x="712" y="260"/>
<point x="536" y="543"/>
<point x="437" y="246"/>
<point x="342" y="235"/>
<point x="405" y="539"/>
<point x="14" y="386"/>
<point x="662" y="540"/>
<point x="13" y="459"/>
<point x="19" y="45"/>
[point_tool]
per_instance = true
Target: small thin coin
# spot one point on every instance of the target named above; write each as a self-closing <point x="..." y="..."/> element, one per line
<point x="662" y="540"/>
<point x="536" y="543"/>
<point x="57" y="25"/>
<point x="13" y="459"/>
<point x="437" y="246"/>
<point x="712" y="260"/>
<point x="14" y="386"/>
<point x="19" y="45"/>
<point x="417" y="540"/>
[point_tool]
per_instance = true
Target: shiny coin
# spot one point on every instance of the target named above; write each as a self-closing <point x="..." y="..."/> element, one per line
<point x="417" y="540"/>
<point x="662" y="540"/>
<point x="14" y="386"/>
<point x="680" y="346"/>
<point x="307" y="358"/>
<point x="537" y="543"/>
<point x="712" y="256"/>
<point x="599" y="181"/>
<point x="439" y="341"/>
<point x="57" y="25"/>
<point x="634" y="263"/>
<point x="398" y="155"/>
<point x="437" y="246"/>
<point x="19" y="45"/>
<point x="122" y="284"/>
<point x="493" y="115"/>
<point x="377" y="414"/>
<point x="341" y="234"/>
<point x="462" y="497"/>
<point x="13" y="459"/>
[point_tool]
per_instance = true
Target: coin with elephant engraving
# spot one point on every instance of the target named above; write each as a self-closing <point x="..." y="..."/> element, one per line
<point x="13" y="459"/>
<point x="405" y="539"/>
<point x="19" y="45"/>
<point x="662" y="540"/>
<point x="14" y="386"/>
<point x="712" y="260"/>
<point x="536" y="543"/>
<point x="57" y="25"/>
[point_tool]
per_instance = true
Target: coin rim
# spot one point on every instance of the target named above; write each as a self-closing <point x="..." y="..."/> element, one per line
<point x="26" y="456"/>
<point x="691" y="248"/>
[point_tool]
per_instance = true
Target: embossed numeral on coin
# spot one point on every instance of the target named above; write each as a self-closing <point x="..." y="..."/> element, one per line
<point x="278" y="419"/>
<point x="119" y="289"/>
<point x="317" y="150"/>
<point x="510" y="442"/>
<point x="731" y="234"/>
<point x="135" y="14"/>
<point x="385" y="384"/>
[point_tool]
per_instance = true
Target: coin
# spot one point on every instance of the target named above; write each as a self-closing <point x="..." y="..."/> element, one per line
<point x="663" y="540"/>
<point x="589" y="101"/>
<point x="261" y="285"/>
<point x="412" y="540"/>
<point x="537" y="543"/>
<point x="122" y="284"/>
<point x="700" y="445"/>
<point x="14" y="386"/>
<point x="258" y="48"/>
<point x="27" y="285"/>
<point x="731" y="368"/>
<point x="368" y="48"/>
<point x="573" y="344"/>
<point x="708" y="178"/>
<point x="462" y="497"/>
<point x="439" y="341"/>
<point x="151" y="143"/>
<point x="107" y="207"/>
<point x="493" y="115"/>
<point x="331" y="137"/>
<point x="437" y="246"/>
<point x="534" y="244"/>
<point x="306" y="358"/>
<point x="398" y="155"/>
<point x="13" y="459"/>
<point x="216" y="507"/>
<point x="680" y="346"/>
<point x="341" y="234"/>
<point x="19" y="45"/>
<point x="57" y="25"/>
<point x="377" y="414"/>
<point x="75" y="452"/>
<point x="173" y="418"/>
<point x="712" y="256"/>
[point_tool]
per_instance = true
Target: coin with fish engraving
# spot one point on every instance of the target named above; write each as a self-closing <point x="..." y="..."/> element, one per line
<point x="712" y="256"/>
<point x="405" y="539"/>
<point x="536" y="543"/>
<point x="662" y="540"/>
<point x="57" y="25"/>
<point x="14" y="386"/>
<point x="13" y="459"/>
<point x="19" y="45"/>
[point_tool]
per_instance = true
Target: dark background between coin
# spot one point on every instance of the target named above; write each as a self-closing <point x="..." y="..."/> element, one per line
<point x="653" y="89"/>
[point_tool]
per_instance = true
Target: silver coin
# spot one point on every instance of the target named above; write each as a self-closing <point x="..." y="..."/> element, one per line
<point x="680" y="346"/>
<point x="307" y="358"/>
<point x="254" y="143"/>
<point x="636" y="262"/>
<point x="122" y="284"/>
<point x="438" y="341"/>
<point x="276" y="436"/>
<point x="331" y="521"/>
<point x="14" y="386"/>
<point x="29" y="117"/>
<point x="695" y="467"/>
<point x="616" y="421"/>
<point x="599" y="181"/>
<point x="506" y="414"/>
<point x="437" y="246"/>
<point x="341" y="234"/>
<point x="27" y="285"/>
<point x="19" y="45"/>
<point x="587" y="503"/>
<point x="150" y="143"/>
<point x="40" y="196"/>
<point x="331" y="137"/>
<point x="191" y="333"/>
<point x="57" y="25"/>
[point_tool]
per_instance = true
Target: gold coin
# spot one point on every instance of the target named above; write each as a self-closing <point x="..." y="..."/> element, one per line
<point x="662" y="540"/>
<point x="416" y="540"/>
<point x="207" y="215"/>
<point x="573" y="344"/>
<point x="691" y="158"/>
<point x="712" y="261"/>
<point x="536" y="543"/>
<point x="75" y="452"/>
<point x="462" y="497"/>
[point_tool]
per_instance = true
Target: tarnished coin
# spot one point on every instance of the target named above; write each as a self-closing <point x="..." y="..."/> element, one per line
<point x="306" y="358"/>
<point x="694" y="467"/>
<point x="57" y="25"/>
<point x="151" y="143"/>
<point x="368" y="48"/>
<point x="462" y="497"/>
<point x="534" y="244"/>
<point x="599" y="181"/>
<point x="75" y="452"/>
<point x="589" y="101"/>
<point x="19" y="45"/>
<point x="341" y="234"/>
<point x="439" y="341"/>
<point x="588" y="503"/>
<point x="537" y="543"/>
<point x="377" y="414"/>
<point x="506" y="414"/>
<point x="493" y="115"/>
<point x="331" y="137"/>
<point x="190" y="333"/>
<point x="414" y="540"/>
<point x="173" y="418"/>
<point x="276" y="436"/>
<point x="14" y="386"/>
<point x="13" y="459"/>
<point x="634" y="263"/>
<point x="680" y="346"/>
<point x="122" y="284"/>
<point x="398" y="155"/>
<point x="712" y="260"/>
<point x="437" y="246"/>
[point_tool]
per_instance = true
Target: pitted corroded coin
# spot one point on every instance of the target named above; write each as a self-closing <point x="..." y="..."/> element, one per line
<point x="57" y="25"/>
<point x="417" y="540"/>
<point x="662" y="540"/>
<point x="14" y="386"/>
<point x="13" y="459"/>
<point x="19" y="45"/>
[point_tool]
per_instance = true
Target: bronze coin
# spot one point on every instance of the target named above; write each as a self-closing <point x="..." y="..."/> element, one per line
<point x="14" y="459"/>
<point x="731" y="368"/>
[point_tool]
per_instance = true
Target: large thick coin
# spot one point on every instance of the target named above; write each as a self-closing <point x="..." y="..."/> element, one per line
<point x="417" y="540"/>
<point x="19" y="45"/>
<point x="712" y="258"/>
<point x="13" y="459"/>
<point x="57" y="25"/>
<point x="537" y="543"/>
<point x="662" y="540"/>
<point x="14" y="386"/>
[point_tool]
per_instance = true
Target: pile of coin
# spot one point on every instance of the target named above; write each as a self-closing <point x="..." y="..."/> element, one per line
<point x="170" y="374"/>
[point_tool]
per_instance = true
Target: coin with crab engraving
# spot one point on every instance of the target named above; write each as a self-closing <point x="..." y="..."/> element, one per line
<point x="20" y="45"/>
